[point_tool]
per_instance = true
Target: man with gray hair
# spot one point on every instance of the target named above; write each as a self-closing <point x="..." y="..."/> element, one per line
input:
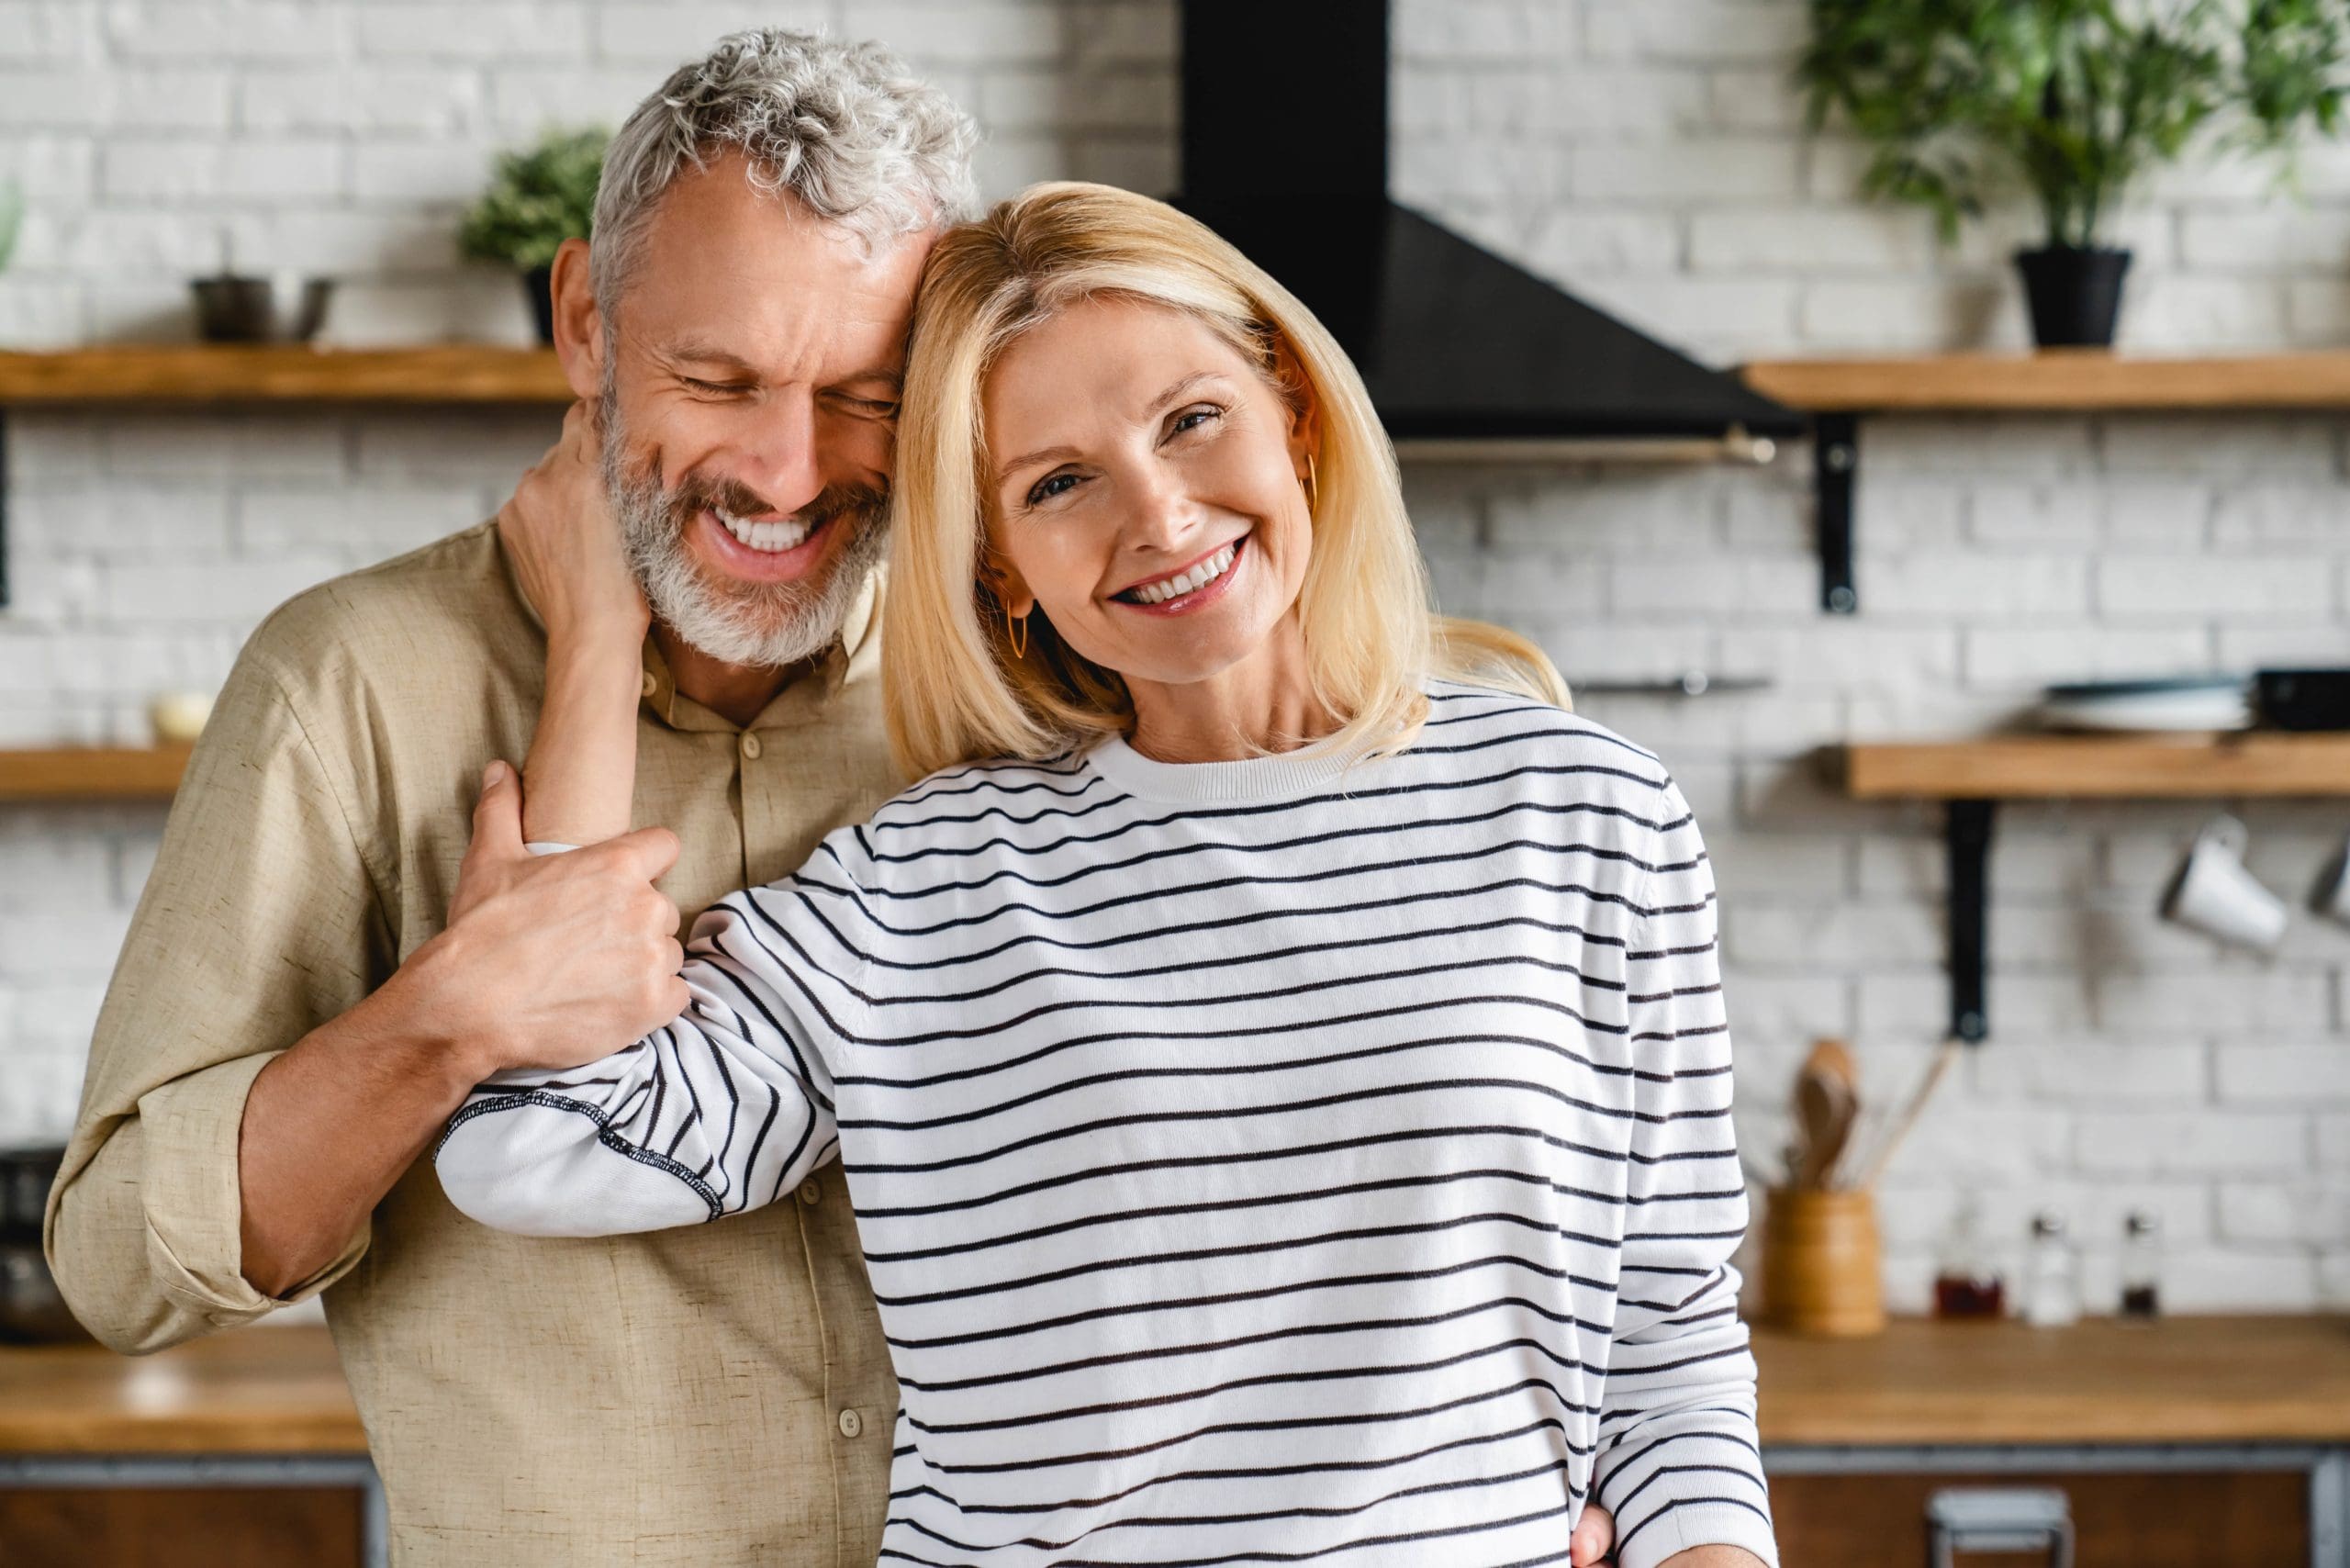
<point x="289" y="1023"/>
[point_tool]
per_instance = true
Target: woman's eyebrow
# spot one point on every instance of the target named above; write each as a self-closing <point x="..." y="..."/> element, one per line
<point x="1060" y="453"/>
<point x="1029" y="459"/>
<point x="1176" y="392"/>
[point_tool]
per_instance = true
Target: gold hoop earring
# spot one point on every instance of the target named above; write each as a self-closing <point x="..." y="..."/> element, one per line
<point x="1016" y="631"/>
<point x="1312" y="486"/>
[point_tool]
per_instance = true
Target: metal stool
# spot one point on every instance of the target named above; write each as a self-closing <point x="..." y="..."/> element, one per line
<point x="1998" y="1518"/>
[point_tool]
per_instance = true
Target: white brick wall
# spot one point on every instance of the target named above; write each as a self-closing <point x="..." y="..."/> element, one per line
<point x="1650" y="153"/>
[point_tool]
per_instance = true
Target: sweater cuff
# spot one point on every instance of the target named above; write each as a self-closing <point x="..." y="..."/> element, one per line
<point x="1699" y="1524"/>
<point x="194" y="1201"/>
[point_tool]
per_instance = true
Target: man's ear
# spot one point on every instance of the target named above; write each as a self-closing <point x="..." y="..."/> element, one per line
<point x="578" y="325"/>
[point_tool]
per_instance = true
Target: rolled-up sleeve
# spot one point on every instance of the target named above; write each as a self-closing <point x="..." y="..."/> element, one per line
<point x="1678" y="1462"/>
<point x="260" y="922"/>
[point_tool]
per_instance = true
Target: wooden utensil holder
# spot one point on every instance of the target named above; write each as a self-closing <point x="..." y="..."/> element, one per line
<point x="1822" y="1262"/>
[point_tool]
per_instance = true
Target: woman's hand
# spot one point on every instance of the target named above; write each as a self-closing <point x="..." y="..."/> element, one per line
<point x="559" y="531"/>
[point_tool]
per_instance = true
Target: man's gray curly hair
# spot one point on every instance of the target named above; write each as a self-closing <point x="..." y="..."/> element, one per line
<point x="843" y="126"/>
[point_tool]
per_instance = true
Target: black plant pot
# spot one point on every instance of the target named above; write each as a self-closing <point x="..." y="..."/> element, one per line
<point x="2076" y="294"/>
<point x="539" y="284"/>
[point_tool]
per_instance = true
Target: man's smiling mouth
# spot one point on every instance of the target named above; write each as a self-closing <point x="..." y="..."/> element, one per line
<point x="768" y="536"/>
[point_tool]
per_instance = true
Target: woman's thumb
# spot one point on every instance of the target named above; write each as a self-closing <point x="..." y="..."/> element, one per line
<point x="498" y="814"/>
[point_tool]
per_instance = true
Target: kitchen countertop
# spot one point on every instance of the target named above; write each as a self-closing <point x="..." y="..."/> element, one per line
<point x="254" y="1391"/>
<point x="2208" y="1380"/>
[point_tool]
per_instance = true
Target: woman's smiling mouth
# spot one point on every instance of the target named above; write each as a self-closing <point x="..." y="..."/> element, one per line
<point x="1201" y="582"/>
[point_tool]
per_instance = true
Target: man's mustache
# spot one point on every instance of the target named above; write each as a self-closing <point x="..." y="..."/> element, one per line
<point x="864" y="503"/>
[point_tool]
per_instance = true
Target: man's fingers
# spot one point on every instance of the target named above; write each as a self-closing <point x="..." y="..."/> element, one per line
<point x="653" y="850"/>
<point x="1595" y="1536"/>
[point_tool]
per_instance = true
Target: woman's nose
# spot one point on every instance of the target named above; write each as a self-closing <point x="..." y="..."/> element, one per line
<point x="1163" y="516"/>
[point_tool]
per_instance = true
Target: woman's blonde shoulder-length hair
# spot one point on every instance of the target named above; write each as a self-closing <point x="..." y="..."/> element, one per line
<point x="955" y="691"/>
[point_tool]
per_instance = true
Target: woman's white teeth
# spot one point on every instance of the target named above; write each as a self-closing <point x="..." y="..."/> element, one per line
<point x="1199" y="577"/>
<point x="770" y="537"/>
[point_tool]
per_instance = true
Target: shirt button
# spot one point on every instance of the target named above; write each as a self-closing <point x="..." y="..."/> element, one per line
<point x="851" y="1423"/>
<point x="651" y="684"/>
<point x="809" y="1193"/>
<point x="750" y="745"/>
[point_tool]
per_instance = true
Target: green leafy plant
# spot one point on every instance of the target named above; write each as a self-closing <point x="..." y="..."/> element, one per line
<point x="540" y="197"/>
<point x="2075" y="98"/>
<point x="12" y="212"/>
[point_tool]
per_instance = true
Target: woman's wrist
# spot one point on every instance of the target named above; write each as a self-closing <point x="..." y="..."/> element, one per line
<point x="613" y="634"/>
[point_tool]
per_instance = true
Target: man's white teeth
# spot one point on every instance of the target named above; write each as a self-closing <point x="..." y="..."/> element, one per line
<point x="1199" y="577"/>
<point x="768" y="537"/>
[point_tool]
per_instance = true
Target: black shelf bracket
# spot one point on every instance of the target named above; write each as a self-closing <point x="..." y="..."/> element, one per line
<point x="1836" y="461"/>
<point x="1966" y="826"/>
<point x="4" y="509"/>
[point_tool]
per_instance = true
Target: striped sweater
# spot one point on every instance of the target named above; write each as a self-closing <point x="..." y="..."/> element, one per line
<point x="1283" y="1160"/>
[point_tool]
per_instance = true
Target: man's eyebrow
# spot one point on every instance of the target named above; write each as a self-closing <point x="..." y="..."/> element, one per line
<point x="701" y="351"/>
<point x="1056" y="454"/>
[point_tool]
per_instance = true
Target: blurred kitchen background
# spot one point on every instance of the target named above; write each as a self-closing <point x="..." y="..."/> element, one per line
<point x="1650" y="156"/>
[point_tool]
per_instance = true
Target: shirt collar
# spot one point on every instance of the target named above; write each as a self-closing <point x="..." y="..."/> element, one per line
<point x="855" y="658"/>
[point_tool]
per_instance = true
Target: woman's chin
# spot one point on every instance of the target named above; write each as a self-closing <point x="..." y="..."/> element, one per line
<point x="1199" y="657"/>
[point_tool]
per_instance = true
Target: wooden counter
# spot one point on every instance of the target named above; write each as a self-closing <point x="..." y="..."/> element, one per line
<point x="1920" y="1383"/>
<point x="273" y="1391"/>
<point x="2185" y="1380"/>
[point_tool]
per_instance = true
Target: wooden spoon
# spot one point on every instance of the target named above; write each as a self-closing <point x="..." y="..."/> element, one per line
<point x="1827" y="1098"/>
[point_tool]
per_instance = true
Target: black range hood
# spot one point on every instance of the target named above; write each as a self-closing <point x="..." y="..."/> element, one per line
<point x="1284" y="151"/>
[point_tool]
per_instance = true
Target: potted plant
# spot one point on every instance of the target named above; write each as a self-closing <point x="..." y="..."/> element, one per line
<point x="2075" y="99"/>
<point x="12" y="212"/>
<point x="540" y="197"/>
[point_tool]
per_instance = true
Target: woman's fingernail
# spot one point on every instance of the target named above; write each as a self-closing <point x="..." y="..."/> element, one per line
<point x="492" y="774"/>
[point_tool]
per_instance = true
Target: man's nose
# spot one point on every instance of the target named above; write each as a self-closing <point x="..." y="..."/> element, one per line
<point x="778" y="456"/>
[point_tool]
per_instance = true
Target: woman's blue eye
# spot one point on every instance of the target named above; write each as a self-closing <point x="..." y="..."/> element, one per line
<point x="1050" y="486"/>
<point x="1191" y="419"/>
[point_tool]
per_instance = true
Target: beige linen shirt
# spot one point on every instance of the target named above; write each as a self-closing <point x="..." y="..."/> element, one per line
<point x="711" y="1395"/>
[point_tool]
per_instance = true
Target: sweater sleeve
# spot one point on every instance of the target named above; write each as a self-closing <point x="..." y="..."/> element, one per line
<point x="1678" y="1462"/>
<point x="723" y="1109"/>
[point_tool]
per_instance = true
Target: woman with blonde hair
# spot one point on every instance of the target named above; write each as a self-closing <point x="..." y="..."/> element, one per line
<point x="1275" y="1050"/>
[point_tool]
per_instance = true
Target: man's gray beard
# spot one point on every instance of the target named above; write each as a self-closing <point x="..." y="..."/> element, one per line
<point x="768" y="625"/>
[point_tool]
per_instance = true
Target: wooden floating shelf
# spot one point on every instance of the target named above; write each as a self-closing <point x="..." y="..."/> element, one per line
<point x="91" y="773"/>
<point x="224" y="373"/>
<point x="1971" y="777"/>
<point x="2053" y="380"/>
<point x="1836" y="393"/>
<point x="2056" y="381"/>
<point x="231" y="374"/>
<point x="2011" y="767"/>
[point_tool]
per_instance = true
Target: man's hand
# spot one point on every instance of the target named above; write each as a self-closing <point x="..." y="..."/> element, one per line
<point x="1594" y="1536"/>
<point x="547" y="961"/>
<point x="552" y="960"/>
